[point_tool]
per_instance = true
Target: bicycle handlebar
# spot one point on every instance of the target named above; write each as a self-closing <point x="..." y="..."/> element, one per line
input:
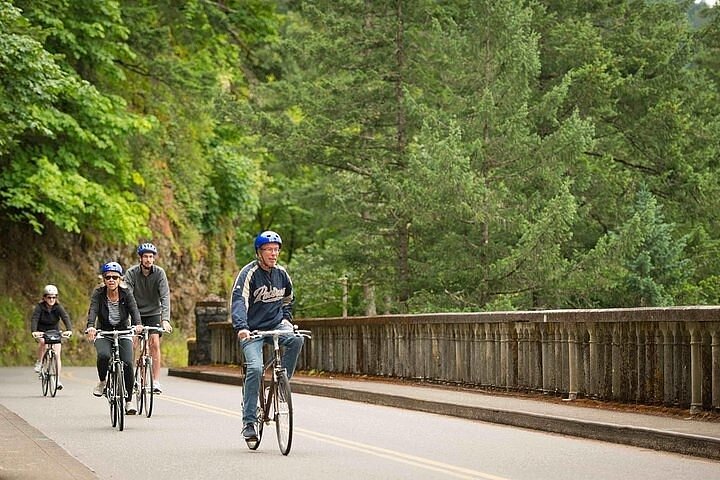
<point x="147" y="328"/>
<point x="271" y="333"/>
<point x="113" y="333"/>
<point x="64" y="334"/>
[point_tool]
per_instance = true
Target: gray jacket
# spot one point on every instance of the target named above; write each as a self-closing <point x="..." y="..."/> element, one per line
<point x="152" y="293"/>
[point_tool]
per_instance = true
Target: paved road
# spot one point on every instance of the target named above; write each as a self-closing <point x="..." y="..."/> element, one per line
<point x="195" y="434"/>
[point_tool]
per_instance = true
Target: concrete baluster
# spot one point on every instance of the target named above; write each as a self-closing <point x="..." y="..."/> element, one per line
<point x="695" y="368"/>
<point x="573" y="365"/>
<point x="546" y="349"/>
<point x="616" y="362"/>
<point x="595" y="362"/>
<point x="716" y="368"/>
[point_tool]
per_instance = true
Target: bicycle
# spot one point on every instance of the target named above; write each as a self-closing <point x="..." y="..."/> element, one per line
<point x="115" y="390"/>
<point x="274" y="395"/>
<point x="49" y="364"/>
<point x="143" y="387"/>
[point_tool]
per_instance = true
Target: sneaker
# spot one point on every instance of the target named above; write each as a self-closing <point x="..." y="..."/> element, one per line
<point x="129" y="409"/>
<point x="60" y="385"/>
<point x="157" y="388"/>
<point x="249" y="432"/>
<point x="99" y="389"/>
<point x="37" y="367"/>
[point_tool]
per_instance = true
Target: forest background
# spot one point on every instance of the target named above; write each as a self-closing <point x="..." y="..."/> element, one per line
<point x="431" y="156"/>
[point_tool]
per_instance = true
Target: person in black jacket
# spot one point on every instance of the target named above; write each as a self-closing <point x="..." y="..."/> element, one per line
<point x="113" y="307"/>
<point x="47" y="316"/>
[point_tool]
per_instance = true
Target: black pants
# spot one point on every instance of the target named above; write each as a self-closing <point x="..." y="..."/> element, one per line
<point x="104" y="352"/>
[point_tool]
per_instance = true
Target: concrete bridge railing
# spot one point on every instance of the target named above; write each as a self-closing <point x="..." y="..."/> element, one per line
<point x="651" y="356"/>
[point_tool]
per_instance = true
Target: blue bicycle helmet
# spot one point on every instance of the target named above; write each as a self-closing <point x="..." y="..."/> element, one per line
<point x="268" y="236"/>
<point x="112" y="267"/>
<point x="146" y="248"/>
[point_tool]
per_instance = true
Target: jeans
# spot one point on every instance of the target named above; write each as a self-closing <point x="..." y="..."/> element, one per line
<point x="253" y="353"/>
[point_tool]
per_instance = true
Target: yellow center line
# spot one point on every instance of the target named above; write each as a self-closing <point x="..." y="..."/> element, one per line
<point x="450" y="470"/>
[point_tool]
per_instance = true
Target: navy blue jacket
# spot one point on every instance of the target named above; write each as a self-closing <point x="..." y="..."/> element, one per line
<point x="261" y="299"/>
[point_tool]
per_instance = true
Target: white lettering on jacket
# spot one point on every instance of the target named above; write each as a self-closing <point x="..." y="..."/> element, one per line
<point x="268" y="295"/>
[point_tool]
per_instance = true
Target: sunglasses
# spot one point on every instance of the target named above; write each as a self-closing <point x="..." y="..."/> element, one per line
<point x="112" y="277"/>
<point x="50" y="297"/>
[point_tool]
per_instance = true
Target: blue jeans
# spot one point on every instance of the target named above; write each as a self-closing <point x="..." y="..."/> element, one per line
<point x="253" y="353"/>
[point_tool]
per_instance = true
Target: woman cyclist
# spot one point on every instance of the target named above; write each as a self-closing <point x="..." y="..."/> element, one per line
<point x="113" y="308"/>
<point x="47" y="316"/>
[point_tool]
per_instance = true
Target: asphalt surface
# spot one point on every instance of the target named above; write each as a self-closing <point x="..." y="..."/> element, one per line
<point x="25" y="452"/>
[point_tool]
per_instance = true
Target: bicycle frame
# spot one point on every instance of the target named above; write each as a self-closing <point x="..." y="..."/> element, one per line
<point x="144" y="383"/>
<point x="274" y="395"/>
<point x="50" y="364"/>
<point x="115" y="388"/>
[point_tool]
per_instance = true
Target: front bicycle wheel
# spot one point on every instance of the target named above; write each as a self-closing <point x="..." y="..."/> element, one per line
<point x="44" y="378"/>
<point x="283" y="413"/>
<point x="110" y="389"/>
<point x="52" y="373"/>
<point x="120" y="396"/>
<point x="148" y="387"/>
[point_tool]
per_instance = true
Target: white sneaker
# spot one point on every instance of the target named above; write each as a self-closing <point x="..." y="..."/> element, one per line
<point x="59" y="385"/>
<point x="99" y="388"/>
<point x="157" y="388"/>
<point x="37" y="367"/>
<point x="129" y="409"/>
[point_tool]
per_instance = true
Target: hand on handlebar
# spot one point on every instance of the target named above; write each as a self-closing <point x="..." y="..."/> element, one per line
<point x="90" y="332"/>
<point x="166" y="326"/>
<point x="67" y="334"/>
<point x="37" y="334"/>
<point x="243" y="334"/>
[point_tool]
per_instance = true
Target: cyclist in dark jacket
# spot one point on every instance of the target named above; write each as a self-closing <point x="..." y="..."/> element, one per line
<point x="262" y="299"/>
<point x="113" y="307"/>
<point x="47" y="316"/>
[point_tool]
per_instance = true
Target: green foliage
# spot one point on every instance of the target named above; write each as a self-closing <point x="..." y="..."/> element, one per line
<point x="174" y="349"/>
<point x="643" y="263"/>
<point x="62" y="155"/>
<point x="14" y="335"/>
<point x="440" y="156"/>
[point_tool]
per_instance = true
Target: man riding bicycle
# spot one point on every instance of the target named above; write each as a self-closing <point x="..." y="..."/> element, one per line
<point x="149" y="285"/>
<point x="262" y="299"/>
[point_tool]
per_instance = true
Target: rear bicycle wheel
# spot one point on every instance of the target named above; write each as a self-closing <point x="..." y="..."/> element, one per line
<point x="148" y="387"/>
<point x="120" y="396"/>
<point x="138" y="386"/>
<point x="253" y="445"/>
<point x="52" y="373"/>
<point x="283" y="413"/>
<point x="261" y="408"/>
<point x="44" y="379"/>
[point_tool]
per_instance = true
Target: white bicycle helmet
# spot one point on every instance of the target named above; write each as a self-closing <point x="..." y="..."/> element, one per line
<point x="50" y="290"/>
